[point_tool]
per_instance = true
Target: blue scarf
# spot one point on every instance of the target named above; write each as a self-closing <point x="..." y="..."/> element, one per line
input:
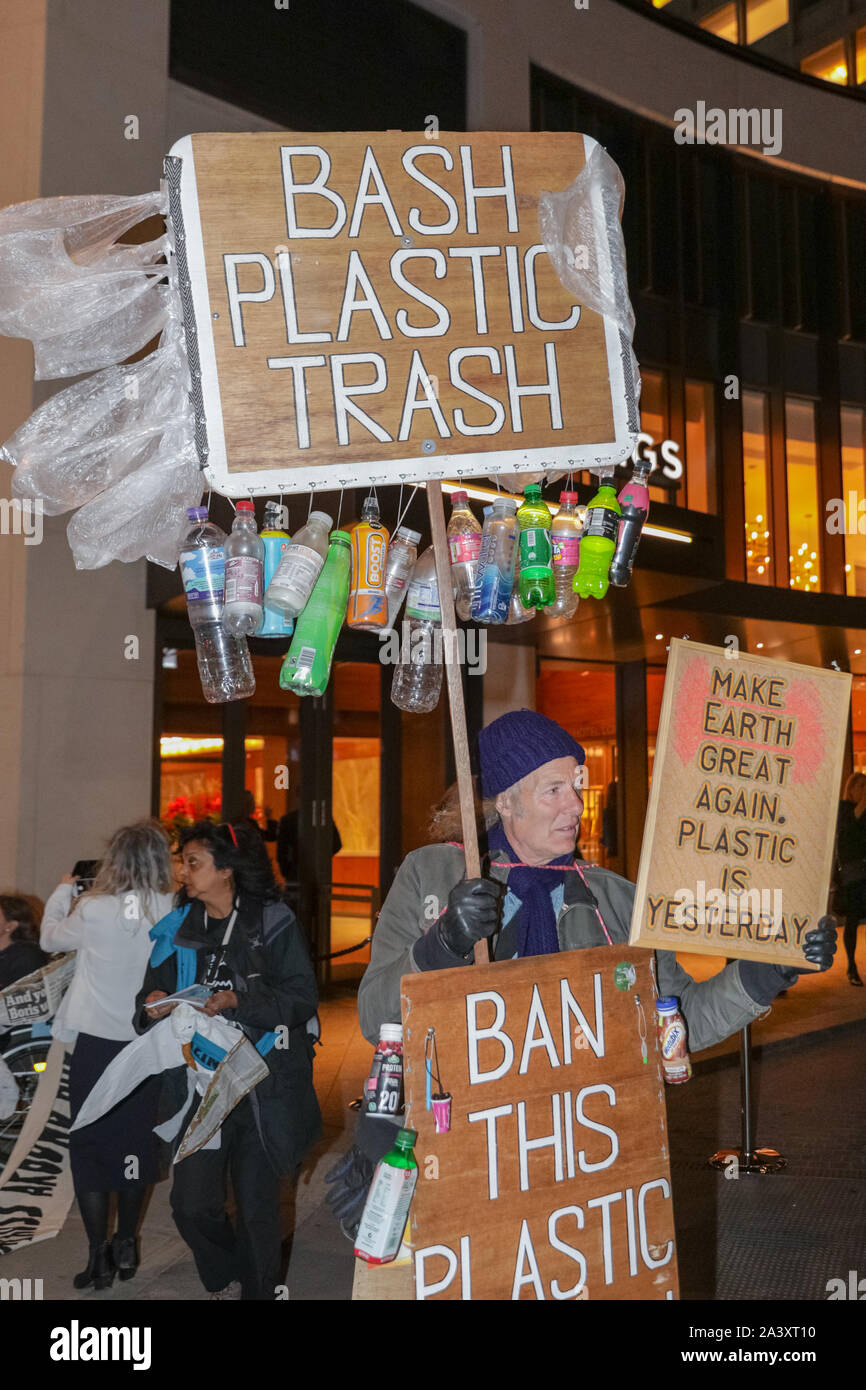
<point x="536" y="919"/>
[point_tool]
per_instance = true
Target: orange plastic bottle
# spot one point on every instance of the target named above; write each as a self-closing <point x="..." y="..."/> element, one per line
<point x="368" y="603"/>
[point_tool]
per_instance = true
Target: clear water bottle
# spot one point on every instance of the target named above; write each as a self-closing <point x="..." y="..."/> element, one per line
<point x="224" y="664"/>
<point x="495" y="579"/>
<point x="565" y="535"/>
<point x="399" y="565"/>
<point x="300" y="567"/>
<point x="418" y="677"/>
<point x="245" y="556"/>
<point x="516" y="611"/>
<point x="464" y="545"/>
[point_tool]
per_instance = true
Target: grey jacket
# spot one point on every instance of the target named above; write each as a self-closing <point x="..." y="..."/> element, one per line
<point x="403" y="943"/>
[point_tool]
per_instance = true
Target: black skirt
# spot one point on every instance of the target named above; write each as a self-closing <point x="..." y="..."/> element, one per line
<point x="118" y="1151"/>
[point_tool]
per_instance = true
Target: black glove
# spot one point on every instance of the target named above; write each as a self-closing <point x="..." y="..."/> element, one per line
<point x="351" y="1176"/>
<point x="763" y="981"/>
<point x="471" y="915"/>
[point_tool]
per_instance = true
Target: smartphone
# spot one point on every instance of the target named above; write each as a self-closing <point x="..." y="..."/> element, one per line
<point x="85" y="871"/>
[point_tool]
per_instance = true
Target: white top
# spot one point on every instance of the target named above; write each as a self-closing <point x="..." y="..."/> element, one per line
<point x="113" y="948"/>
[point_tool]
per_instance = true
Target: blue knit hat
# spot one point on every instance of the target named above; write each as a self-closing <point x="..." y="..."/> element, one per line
<point x="516" y="744"/>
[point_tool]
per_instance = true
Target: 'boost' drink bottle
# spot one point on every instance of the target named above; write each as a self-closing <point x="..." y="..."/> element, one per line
<point x="464" y="545"/>
<point x="536" y="573"/>
<point x="565" y="538"/>
<point x="307" y="664"/>
<point x="634" y="501"/>
<point x="368" y="603"/>
<point x="597" y="543"/>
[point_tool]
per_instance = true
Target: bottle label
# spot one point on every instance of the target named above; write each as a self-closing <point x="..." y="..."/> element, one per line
<point x="299" y="569"/>
<point x="203" y="574"/>
<point x="243" y="579"/>
<point x="385" y="1212"/>
<point x="535" y="548"/>
<point x="367" y="603"/>
<point x="423" y="601"/>
<point x="566" y="550"/>
<point x="465" y="547"/>
<point x="601" y="521"/>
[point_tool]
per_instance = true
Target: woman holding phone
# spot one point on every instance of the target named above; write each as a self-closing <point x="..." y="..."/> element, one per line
<point x="108" y="927"/>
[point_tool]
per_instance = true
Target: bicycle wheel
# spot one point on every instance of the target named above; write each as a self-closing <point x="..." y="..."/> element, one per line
<point x="26" y="1063"/>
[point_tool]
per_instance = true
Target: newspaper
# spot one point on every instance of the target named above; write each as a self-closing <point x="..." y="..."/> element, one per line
<point x="35" y="998"/>
<point x="239" y="1071"/>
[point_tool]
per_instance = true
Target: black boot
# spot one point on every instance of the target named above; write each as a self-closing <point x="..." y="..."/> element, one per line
<point x="126" y="1256"/>
<point x="99" y="1271"/>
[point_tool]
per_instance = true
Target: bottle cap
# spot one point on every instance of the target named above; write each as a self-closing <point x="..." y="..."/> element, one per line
<point x="370" y="509"/>
<point x="459" y="498"/>
<point x="668" y="1004"/>
<point x="391" y="1032"/>
<point x="413" y="536"/>
<point x="532" y="491"/>
<point x="487" y="510"/>
<point x="197" y="513"/>
<point x="323" y="517"/>
<point x="341" y="537"/>
<point x="245" y="506"/>
<point x="406" y="1137"/>
<point x="508" y="503"/>
<point x="568" y="497"/>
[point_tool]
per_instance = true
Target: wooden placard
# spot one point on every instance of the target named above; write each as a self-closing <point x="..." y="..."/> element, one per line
<point x="363" y="307"/>
<point x="738" y="844"/>
<point x="546" y="1049"/>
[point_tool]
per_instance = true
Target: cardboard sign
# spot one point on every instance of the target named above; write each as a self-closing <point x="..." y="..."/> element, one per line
<point x="553" y="1181"/>
<point x="738" y="845"/>
<point x="380" y="307"/>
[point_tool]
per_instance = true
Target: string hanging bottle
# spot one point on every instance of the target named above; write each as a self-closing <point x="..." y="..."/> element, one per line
<point x="598" y="542"/>
<point x="464" y="546"/>
<point x="635" y="502"/>
<point x="418" y="677"/>
<point x="224" y="664"/>
<point x="300" y="567"/>
<point x="565" y="539"/>
<point x="245" y="553"/>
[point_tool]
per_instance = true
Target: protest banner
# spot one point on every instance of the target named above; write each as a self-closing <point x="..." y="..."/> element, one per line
<point x="35" y="997"/>
<point x="553" y="1181"/>
<point x="36" y="1182"/>
<point x="738" y="845"/>
<point x="373" y="307"/>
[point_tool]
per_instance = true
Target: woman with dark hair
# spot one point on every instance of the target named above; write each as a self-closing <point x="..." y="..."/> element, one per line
<point x="20" y="953"/>
<point x="108" y="929"/>
<point x="232" y="933"/>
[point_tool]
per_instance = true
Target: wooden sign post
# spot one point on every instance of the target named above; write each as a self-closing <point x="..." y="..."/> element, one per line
<point x="738" y="846"/>
<point x="379" y="307"/>
<point x="553" y="1181"/>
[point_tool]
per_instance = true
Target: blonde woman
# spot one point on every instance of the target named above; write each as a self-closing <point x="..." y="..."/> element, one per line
<point x="108" y="927"/>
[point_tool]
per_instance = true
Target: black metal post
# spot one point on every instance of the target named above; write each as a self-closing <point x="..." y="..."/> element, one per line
<point x="746" y="1159"/>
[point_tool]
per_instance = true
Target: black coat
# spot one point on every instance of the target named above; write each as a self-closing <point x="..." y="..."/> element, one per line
<point x="20" y="958"/>
<point x="273" y="978"/>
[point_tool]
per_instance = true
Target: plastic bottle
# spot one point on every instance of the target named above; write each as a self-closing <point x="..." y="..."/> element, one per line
<point x="516" y="611"/>
<point x="245" y="556"/>
<point x="418" y="678"/>
<point x="300" y="567"/>
<point x="634" y="501"/>
<point x="537" y="589"/>
<point x="307" y="664"/>
<point x="387" y="1207"/>
<point x="399" y="564"/>
<point x="597" y="543"/>
<point x="368" y="603"/>
<point x="383" y="1093"/>
<point x="276" y="543"/>
<point x="224" y="663"/>
<point x="495" y="578"/>
<point x="565" y="539"/>
<point x="464" y="544"/>
<point x="673" y="1043"/>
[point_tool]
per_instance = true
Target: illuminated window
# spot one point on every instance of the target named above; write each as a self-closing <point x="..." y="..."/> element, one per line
<point x="804" y="515"/>
<point x="853" y="492"/>
<point x="861" y="56"/>
<point x="700" y="460"/>
<point x="763" y="16"/>
<point x="722" y="23"/>
<point x="654" y="421"/>
<point x="756" y="474"/>
<point x="828" y="63"/>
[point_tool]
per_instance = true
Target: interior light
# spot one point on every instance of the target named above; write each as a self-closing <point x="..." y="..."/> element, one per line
<point x="759" y="517"/>
<point x="659" y="636"/>
<point x="760" y="569"/>
<point x="847" y="569"/>
<point x="760" y="646"/>
<point x="856" y="651"/>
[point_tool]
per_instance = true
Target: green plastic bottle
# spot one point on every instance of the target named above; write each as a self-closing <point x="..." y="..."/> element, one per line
<point x="307" y="664"/>
<point x="387" y="1207"/>
<point x="597" y="543"/>
<point x="537" y="586"/>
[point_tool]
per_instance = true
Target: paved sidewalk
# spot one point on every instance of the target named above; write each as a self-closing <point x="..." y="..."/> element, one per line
<point x="754" y="1238"/>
